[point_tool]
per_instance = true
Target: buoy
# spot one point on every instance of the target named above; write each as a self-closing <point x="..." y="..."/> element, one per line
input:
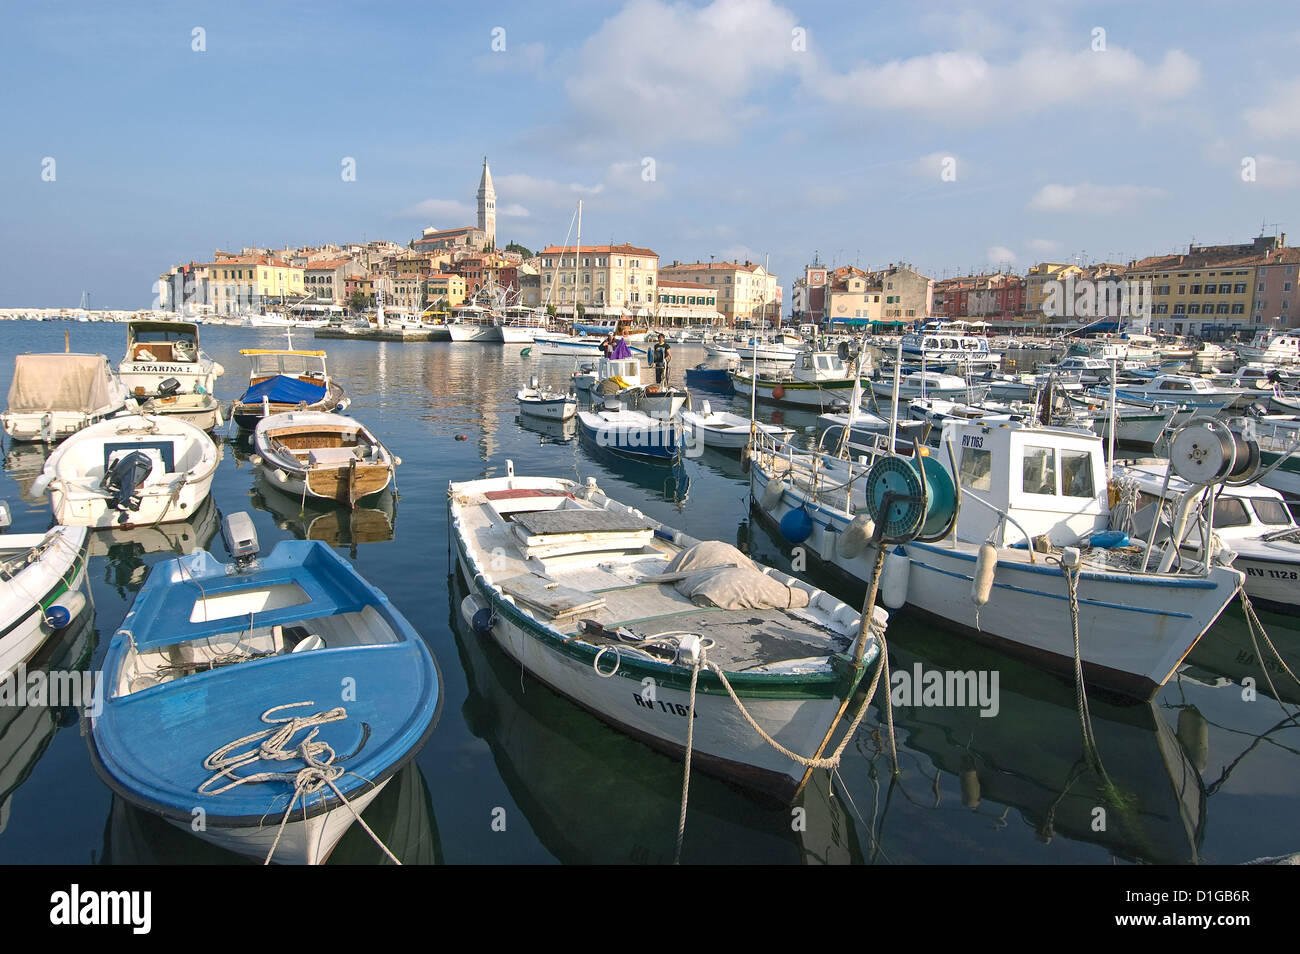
<point x="855" y="536"/>
<point x="796" y="526"/>
<point x="894" y="577"/>
<point x="772" y="494"/>
<point x="986" y="565"/>
<point x="58" y="616"/>
<point x="827" y="549"/>
<point x="482" y="621"/>
<point x="460" y="437"/>
<point x="778" y="392"/>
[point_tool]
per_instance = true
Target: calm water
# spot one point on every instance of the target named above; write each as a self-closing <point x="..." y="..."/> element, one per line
<point x="1198" y="774"/>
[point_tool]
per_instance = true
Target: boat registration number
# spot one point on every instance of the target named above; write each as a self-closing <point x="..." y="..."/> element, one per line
<point x="672" y="708"/>
<point x="972" y="440"/>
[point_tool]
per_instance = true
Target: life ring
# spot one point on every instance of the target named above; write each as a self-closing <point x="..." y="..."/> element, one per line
<point x="778" y="392"/>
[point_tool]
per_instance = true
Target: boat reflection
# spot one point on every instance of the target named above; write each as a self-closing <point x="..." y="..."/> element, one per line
<point x="125" y="552"/>
<point x="401" y="816"/>
<point x="24" y="462"/>
<point x="1228" y="652"/>
<point x="26" y="731"/>
<point x="593" y="795"/>
<point x="369" y="522"/>
<point x="552" y="432"/>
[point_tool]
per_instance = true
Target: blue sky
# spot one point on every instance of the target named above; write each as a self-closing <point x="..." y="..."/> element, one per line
<point x="764" y="140"/>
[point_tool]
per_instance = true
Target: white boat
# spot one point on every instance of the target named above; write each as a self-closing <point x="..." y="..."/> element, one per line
<point x="1193" y="393"/>
<point x="784" y="348"/>
<point x="201" y="410"/>
<point x="590" y="597"/>
<point x="128" y="472"/>
<point x="41" y="589"/>
<point x="1278" y="436"/>
<point x="949" y="345"/>
<point x="54" y="395"/>
<point x="1278" y="347"/>
<point x="519" y="325"/>
<point x="728" y="431"/>
<point x="1250" y="521"/>
<point x="160" y="350"/>
<point x="1021" y="488"/>
<point x="929" y="384"/>
<point x="473" y="323"/>
<point x="323" y="456"/>
<point x="546" y="404"/>
<point x="820" y="379"/>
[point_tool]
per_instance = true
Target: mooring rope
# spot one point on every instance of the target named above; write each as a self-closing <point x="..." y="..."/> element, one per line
<point x="1254" y="626"/>
<point x="1081" y="693"/>
<point x="318" y="757"/>
<point x="686" y="773"/>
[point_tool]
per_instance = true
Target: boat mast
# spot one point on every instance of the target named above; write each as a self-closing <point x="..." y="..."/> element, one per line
<point x="577" y="252"/>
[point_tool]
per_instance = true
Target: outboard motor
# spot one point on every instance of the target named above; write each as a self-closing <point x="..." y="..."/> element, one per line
<point x="124" y="478"/>
<point x="169" y="388"/>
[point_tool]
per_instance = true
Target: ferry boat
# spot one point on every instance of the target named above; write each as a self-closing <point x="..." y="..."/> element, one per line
<point x="946" y="345"/>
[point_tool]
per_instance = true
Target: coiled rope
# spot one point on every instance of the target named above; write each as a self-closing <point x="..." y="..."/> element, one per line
<point x="318" y="757"/>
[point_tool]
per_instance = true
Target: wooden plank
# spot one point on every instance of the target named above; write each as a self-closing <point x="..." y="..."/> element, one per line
<point x="549" y="522"/>
<point x="549" y="596"/>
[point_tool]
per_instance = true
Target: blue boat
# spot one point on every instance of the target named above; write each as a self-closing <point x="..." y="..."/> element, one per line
<point x="632" y="432"/>
<point x="273" y="699"/>
<point x="282" y="381"/>
<point x="705" y="378"/>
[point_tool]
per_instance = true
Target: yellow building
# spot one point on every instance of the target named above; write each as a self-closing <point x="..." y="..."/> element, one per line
<point x="604" y="279"/>
<point x="1036" y="280"/>
<point x="746" y="292"/>
<point x="1206" y="291"/>
<point x="246" y="282"/>
<point x="444" y="287"/>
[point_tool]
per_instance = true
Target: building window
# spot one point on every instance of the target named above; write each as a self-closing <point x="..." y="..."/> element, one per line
<point x="1239" y="288"/>
<point x="1238" y="309"/>
<point x="1210" y="289"/>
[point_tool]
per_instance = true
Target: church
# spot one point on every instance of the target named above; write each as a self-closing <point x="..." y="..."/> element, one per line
<point x="482" y="237"/>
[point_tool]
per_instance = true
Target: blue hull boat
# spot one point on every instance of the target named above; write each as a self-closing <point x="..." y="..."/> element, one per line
<point x="631" y="432"/>
<point x="710" y="379"/>
<point x="271" y="701"/>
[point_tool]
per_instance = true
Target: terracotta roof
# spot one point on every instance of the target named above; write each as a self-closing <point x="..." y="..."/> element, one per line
<point x="693" y="286"/>
<point x="315" y="266"/>
<point x="711" y="266"/>
<point x="606" y="249"/>
<point x="1283" y="256"/>
<point x="1208" y="258"/>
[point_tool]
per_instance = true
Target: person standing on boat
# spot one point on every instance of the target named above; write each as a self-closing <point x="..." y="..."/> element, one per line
<point x="607" y="346"/>
<point x="660" y="355"/>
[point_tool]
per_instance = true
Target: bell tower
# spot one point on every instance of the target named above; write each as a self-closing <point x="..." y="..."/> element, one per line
<point x="487" y="206"/>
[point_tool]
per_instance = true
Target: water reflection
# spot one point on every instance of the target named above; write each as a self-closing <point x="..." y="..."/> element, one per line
<point x="124" y="551"/>
<point x="369" y="522"/>
<point x="593" y="795"/>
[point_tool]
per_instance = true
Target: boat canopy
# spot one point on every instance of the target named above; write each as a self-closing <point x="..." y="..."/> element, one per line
<point x="60" y="382"/>
<point x="283" y="389"/>
<point x="285" y="362"/>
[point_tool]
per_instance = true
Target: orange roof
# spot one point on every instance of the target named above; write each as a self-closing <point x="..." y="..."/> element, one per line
<point x="607" y="249"/>
<point x="712" y="266"/>
<point x="335" y="263"/>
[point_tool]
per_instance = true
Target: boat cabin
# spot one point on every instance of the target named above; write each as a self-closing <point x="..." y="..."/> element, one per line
<point x="629" y="369"/>
<point x="162" y="341"/>
<point x="1049" y="480"/>
<point x="821" y="366"/>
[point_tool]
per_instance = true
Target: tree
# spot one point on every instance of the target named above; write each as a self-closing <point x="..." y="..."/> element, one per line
<point x="582" y="312"/>
<point x="550" y="310"/>
<point x="358" y="300"/>
<point x="516" y="247"/>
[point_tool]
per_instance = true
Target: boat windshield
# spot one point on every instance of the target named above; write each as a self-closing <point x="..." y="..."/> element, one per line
<point x="1272" y="511"/>
<point x="295" y="363"/>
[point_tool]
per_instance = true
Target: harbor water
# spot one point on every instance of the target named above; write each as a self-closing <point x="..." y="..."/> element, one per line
<point x="1208" y="771"/>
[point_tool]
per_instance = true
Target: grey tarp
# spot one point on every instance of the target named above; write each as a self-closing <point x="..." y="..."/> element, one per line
<point x="59" y="382"/>
<point x="742" y="586"/>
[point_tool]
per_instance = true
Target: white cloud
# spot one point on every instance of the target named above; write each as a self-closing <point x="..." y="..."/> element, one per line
<point x="964" y="85"/>
<point x="739" y="253"/>
<point x="445" y="210"/>
<point x="1000" y="254"/>
<point x="529" y="57"/>
<point x="544" y="191"/>
<point x="1087" y="198"/>
<point x="1276" y="172"/>
<point x="1279" y="115"/>
<point x="1044" y="246"/>
<point x="656" y="71"/>
<point x="513" y="211"/>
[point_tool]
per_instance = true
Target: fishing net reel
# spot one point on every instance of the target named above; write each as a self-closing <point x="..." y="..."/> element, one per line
<point x="911" y="498"/>
<point x="1206" y="451"/>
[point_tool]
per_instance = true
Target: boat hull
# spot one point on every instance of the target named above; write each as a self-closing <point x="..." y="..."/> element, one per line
<point x="59" y="579"/>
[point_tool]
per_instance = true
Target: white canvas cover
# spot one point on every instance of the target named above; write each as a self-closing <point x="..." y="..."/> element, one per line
<point x="59" y="382"/>
<point x="712" y="581"/>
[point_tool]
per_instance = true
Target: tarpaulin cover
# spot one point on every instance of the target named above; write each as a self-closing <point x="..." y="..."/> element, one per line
<point x="284" y="390"/>
<point x="711" y="580"/>
<point x="621" y="350"/>
<point x="59" y="382"/>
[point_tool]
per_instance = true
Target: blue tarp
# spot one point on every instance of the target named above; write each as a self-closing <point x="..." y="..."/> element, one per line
<point x="283" y="389"/>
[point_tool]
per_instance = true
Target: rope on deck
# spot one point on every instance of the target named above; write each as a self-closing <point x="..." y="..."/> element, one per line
<point x="318" y="757"/>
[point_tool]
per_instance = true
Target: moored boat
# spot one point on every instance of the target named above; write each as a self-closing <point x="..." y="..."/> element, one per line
<point x="323" y="456"/>
<point x="254" y="656"/>
<point x="589" y="596"/>
<point x="728" y="431"/>
<point x="41" y="589"/>
<point x="281" y="381"/>
<point x="54" y="395"/>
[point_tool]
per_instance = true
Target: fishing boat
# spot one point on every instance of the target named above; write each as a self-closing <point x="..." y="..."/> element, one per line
<point x="590" y="597"/>
<point x="1250" y="521"/>
<point x="325" y="457"/>
<point x="633" y="432"/>
<point x="728" y="431"/>
<point x="1277" y="347"/>
<point x="42" y="589"/>
<point x="929" y="384"/>
<point x="784" y="348"/>
<point x="159" y="351"/>
<point x="949" y="345"/>
<point x="54" y="395"/>
<point x="1193" y="393"/>
<point x="1023" y="489"/>
<point x="129" y="472"/>
<point x="545" y="403"/>
<point x="703" y="377"/>
<point x="517" y="324"/>
<point x="1278" y="437"/>
<point x="228" y="690"/>
<point x="820" y="379"/>
<point x="473" y="323"/>
<point x="282" y="381"/>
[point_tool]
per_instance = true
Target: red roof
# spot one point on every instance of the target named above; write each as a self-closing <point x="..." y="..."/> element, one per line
<point x="606" y="249"/>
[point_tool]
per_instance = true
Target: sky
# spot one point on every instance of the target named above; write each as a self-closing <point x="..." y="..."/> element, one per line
<point x="954" y="137"/>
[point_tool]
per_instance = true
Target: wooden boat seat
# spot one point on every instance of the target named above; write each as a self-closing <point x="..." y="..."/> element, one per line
<point x="332" y="456"/>
<point x="541" y="523"/>
<point x="557" y="601"/>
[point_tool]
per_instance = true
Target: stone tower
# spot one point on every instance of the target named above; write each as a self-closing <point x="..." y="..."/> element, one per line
<point x="487" y="206"/>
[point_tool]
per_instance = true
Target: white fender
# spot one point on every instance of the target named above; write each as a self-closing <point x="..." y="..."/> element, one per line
<point x="772" y="494"/>
<point x="280" y="475"/>
<point x="894" y="576"/>
<point x="827" y="549"/>
<point x="986" y="565"/>
<point x="856" y="536"/>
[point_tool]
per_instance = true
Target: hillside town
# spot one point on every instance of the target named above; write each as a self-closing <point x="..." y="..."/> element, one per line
<point x="1213" y="292"/>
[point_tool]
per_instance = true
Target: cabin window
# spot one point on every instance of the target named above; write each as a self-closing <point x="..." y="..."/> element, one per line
<point x="1175" y="386"/>
<point x="1076" y="474"/>
<point x="1230" y="512"/>
<point x="976" y="469"/>
<point x="1271" y="511"/>
<point x="1038" y="473"/>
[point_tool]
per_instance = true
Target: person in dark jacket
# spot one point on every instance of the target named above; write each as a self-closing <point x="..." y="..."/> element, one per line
<point x="660" y="355"/>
